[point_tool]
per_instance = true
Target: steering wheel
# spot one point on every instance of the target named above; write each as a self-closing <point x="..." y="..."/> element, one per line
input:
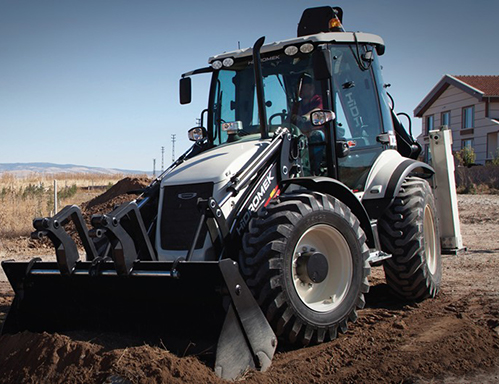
<point x="283" y="115"/>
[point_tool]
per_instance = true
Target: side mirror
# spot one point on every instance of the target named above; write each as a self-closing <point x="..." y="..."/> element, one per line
<point x="185" y="90"/>
<point x="197" y="134"/>
<point x="380" y="49"/>
<point x="318" y="118"/>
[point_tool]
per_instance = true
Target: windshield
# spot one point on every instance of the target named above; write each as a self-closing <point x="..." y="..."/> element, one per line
<point x="284" y="78"/>
<point x="292" y="93"/>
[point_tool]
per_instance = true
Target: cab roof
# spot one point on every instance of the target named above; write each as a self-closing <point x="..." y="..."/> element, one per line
<point x="320" y="38"/>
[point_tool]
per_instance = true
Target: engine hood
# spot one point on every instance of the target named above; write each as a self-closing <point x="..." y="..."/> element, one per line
<point x="216" y="165"/>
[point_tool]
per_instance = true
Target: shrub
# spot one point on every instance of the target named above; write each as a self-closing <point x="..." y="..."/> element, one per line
<point x="495" y="160"/>
<point x="477" y="179"/>
<point x="67" y="192"/>
<point x="465" y="156"/>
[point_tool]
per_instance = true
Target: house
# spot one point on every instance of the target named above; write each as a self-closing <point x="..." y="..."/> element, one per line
<point x="469" y="105"/>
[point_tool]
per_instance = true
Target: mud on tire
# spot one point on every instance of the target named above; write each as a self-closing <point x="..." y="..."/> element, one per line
<point x="305" y="259"/>
<point x="409" y="231"/>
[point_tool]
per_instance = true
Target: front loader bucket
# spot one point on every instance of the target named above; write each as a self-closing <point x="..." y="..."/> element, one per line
<point x="160" y="298"/>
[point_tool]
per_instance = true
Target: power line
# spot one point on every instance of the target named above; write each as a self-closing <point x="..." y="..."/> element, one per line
<point x="173" y="146"/>
<point x="162" y="159"/>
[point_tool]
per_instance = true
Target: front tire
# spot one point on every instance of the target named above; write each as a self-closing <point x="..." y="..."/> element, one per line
<point x="409" y="231"/>
<point x="305" y="259"/>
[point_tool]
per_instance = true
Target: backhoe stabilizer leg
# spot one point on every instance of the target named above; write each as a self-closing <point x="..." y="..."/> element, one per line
<point x="444" y="189"/>
<point x="246" y="340"/>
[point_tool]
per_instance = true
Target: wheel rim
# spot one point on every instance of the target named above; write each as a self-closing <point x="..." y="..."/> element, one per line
<point x="332" y="246"/>
<point x="430" y="244"/>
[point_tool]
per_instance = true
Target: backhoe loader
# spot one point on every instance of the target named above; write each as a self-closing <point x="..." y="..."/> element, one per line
<point x="300" y="177"/>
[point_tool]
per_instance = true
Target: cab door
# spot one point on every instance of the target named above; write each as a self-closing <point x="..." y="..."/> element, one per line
<point x="358" y="114"/>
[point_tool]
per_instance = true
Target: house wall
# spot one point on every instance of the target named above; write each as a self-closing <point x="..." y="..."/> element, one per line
<point x="454" y="100"/>
<point x="494" y="110"/>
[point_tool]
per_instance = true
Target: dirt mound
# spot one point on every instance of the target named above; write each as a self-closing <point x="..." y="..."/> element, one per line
<point x="394" y="344"/>
<point x="117" y="194"/>
<point x="391" y="343"/>
<point x="101" y="204"/>
<point x="34" y="358"/>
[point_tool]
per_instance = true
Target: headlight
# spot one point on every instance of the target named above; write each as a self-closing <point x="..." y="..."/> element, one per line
<point x="216" y="64"/>
<point x="307" y="48"/>
<point x="291" y="50"/>
<point x="232" y="127"/>
<point x="228" y="62"/>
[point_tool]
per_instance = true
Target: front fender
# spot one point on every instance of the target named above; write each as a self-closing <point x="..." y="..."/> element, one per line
<point x="340" y="191"/>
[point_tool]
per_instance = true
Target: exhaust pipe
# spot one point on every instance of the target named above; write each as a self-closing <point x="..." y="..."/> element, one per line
<point x="260" y="95"/>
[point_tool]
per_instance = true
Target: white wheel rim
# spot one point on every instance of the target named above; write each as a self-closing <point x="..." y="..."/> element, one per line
<point x="328" y="294"/>
<point x="430" y="243"/>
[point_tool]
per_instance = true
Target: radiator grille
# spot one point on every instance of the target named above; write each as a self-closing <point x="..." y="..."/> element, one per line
<point x="180" y="215"/>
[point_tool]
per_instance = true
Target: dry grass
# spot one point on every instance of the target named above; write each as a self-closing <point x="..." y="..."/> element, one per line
<point x="23" y="199"/>
<point x="9" y="180"/>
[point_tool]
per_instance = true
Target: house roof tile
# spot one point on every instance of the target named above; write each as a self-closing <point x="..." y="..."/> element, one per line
<point x="489" y="85"/>
<point x="477" y="86"/>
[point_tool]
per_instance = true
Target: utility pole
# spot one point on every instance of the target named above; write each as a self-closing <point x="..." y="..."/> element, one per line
<point x="55" y="197"/>
<point x="162" y="159"/>
<point x="173" y="146"/>
<point x="153" y="167"/>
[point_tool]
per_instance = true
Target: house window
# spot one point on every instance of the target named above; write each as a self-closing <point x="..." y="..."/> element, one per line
<point x="468" y="143"/>
<point x="468" y="117"/>
<point x="446" y="118"/>
<point x="492" y="145"/>
<point x="429" y="123"/>
<point x="427" y="154"/>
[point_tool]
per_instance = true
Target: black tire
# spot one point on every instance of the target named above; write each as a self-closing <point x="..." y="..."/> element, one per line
<point x="409" y="231"/>
<point x="302" y="228"/>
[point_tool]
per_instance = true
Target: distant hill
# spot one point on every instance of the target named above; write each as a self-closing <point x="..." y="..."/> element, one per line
<point x="24" y="169"/>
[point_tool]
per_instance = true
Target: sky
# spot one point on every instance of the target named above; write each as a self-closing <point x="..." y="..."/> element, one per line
<point x="95" y="82"/>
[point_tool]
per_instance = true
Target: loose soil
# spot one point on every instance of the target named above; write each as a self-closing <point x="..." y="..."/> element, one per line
<point x="453" y="338"/>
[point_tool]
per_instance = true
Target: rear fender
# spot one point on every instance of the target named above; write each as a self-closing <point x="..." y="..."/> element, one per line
<point x="386" y="177"/>
<point x="340" y="191"/>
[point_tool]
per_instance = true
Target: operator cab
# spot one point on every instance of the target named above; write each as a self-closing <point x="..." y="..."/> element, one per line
<point x="326" y="88"/>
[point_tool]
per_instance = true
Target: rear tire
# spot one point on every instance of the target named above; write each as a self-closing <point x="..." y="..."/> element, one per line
<point x="409" y="231"/>
<point x="305" y="259"/>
